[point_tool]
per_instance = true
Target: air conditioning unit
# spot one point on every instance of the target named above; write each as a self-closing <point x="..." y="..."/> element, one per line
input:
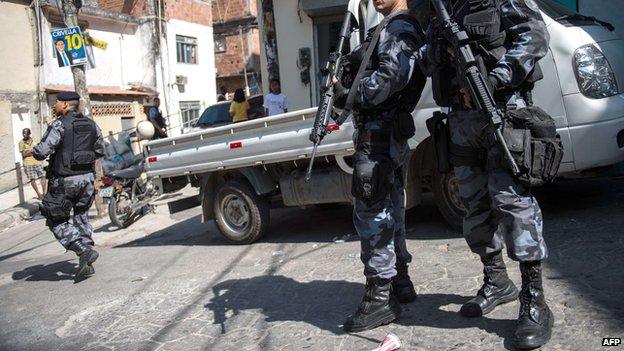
<point x="181" y="80"/>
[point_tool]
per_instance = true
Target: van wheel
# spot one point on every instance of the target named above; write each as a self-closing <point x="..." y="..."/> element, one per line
<point x="241" y="215"/>
<point x="446" y="195"/>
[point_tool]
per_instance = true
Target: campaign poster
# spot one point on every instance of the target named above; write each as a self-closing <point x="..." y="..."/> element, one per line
<point x="68" y="46"/>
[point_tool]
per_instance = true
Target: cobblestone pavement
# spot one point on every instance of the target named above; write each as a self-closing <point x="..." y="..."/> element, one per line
<point x="176" y="284"/>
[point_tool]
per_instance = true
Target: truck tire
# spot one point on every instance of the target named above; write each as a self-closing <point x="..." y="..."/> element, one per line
<point x="446" y="196"/>
<point x="241" y="215"/>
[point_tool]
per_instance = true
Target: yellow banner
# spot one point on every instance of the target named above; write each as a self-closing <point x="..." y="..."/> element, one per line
<point x="100" y="44"/>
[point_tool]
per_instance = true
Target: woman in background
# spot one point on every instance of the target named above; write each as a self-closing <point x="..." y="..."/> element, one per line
<point x="239" y="107"/>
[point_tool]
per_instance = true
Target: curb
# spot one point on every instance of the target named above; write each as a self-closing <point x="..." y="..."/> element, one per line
<point x="16" y="215"/>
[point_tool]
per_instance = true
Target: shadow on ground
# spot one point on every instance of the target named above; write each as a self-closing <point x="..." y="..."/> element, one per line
<point x="583" y="221"/>
<point x="62" y="270"/>
<point x="298" y="225"/>
<point x="284" y="299"/>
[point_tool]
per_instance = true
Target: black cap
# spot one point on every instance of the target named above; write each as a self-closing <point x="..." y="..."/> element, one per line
<point x="68" y="96"/>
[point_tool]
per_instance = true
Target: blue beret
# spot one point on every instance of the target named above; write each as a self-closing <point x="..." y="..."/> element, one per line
<point x="68" y="96"/>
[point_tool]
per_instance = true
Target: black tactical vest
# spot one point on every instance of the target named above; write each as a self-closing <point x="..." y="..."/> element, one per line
<point x="407" y="98"/>
<point x="76" y="153"/>
<point x="481" y="19"/>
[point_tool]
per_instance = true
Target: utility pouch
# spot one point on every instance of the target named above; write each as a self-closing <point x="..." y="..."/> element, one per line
<point x="55" y="207"/>
<point x="372" y="168"/>
<point x="440" y="135"/>
<point x="535" y="145"/>
<point x="404" y="127"/>
<point x="82" y="158"/>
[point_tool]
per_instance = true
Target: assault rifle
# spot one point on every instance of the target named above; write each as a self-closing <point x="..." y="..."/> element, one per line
<point x="333" y="68"/>
<point x="467" y="68"/>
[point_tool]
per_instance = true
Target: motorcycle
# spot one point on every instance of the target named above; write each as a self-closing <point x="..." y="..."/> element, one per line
<point x="128" y="194"/>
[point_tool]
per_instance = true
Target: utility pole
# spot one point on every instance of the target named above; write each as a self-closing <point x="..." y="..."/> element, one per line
<point x="70" y="15"/>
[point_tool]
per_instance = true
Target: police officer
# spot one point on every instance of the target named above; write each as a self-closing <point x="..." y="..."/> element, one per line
<point x="383" y="101"/>
<point x="73" y="143"/>
<point x="508" y="38"/>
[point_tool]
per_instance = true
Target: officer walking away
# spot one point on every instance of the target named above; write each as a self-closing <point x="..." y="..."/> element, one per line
<point x="156" y="118"/>
<point x="382" y="103"/>
<point x="73" y="143"/>
<point x="508" y="38"/>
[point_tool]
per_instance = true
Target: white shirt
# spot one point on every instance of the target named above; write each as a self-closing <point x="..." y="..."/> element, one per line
<point x="276" y="104"/>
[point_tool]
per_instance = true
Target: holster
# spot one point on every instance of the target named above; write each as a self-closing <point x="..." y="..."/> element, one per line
<point x="532" y="138"/>
<point x="372" y="168"/>
<point x="403" y="124"/>
<point x="440" y="136"/>
<point x="55" y="207"/>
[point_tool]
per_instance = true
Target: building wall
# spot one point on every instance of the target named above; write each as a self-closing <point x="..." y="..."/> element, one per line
<point x="231" y="63"/>
<point x="224" y="10"/>
<point x="193" y="11"/>
<point x="125" y="60"/>
<point x="293" y="32"/>
<point x="201" y="84"/>
<point x="17" y="85"/>
<point x="134" y="8"/>
<point x="16" y="48"/>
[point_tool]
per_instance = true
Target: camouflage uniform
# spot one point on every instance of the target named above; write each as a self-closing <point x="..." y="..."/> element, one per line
<point x="78" y="189"/>
<point x="500" y="211"/>
<point x="380" y="223"/>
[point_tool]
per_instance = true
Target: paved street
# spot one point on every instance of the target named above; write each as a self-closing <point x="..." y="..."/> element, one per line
<point x="175" y="284"/>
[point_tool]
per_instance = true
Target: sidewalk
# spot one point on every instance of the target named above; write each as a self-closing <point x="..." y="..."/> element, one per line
<point x="12" y="212"/>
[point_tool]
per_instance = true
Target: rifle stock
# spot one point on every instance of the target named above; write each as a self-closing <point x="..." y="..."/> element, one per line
<point x="474" y="79"/>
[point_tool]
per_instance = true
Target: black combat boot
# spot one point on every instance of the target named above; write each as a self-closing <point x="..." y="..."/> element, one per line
<point x="86" y="256"/>
<point x="378" y="307"/>
<point x="497" y="288"/>
<point x="402" y="286"/>
<point x="535" y="319"/>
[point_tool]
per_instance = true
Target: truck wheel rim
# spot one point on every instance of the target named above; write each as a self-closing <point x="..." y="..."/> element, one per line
<point x="453" y="193"/>
<point x="236" y="213"/>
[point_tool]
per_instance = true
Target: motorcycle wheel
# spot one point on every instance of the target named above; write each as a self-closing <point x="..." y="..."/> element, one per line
<point x="116" y="213"/>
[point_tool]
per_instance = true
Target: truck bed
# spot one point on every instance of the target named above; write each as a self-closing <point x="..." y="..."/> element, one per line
<point x="262" y="141"/>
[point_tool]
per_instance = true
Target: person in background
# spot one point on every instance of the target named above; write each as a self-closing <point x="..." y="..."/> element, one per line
<point x="275" y="102"/>
<point x="239" y="107"/>
<point x="155" y="116"/>
<point x="32" y="167"/>
<point x="223" y="94"/>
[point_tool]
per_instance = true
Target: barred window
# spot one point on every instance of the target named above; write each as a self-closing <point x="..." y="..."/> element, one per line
<point x="186" y="49"/>
<point x="190" y="113"/>
<point x="220" y="43"/>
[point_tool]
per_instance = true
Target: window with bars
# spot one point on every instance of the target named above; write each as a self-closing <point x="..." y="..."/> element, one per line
<point x="186" y="49"/>
<point x="220" y="43"/>
<point x="190" y="113"/>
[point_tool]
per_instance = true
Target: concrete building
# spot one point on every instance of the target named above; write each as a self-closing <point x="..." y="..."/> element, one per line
<point x="187" y="61"/>
<point x="139" y="49"/>
<point x="19" y="106"/>
<point x="237" y="45"/>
